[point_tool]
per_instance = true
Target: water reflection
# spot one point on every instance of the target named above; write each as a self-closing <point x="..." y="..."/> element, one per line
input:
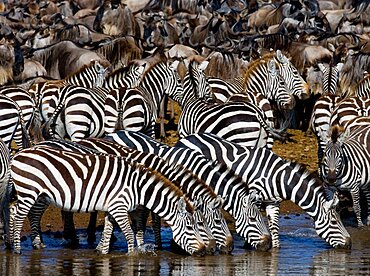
<point x="301" y="253"/>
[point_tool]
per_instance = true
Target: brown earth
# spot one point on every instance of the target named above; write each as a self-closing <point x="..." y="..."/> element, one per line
<point x="302" y="150"/>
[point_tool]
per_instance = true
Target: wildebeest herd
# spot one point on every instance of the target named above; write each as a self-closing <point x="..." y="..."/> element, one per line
<point x="84" y="83"/>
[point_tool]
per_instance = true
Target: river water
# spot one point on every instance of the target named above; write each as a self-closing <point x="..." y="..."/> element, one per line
<point x="302" y="252"/>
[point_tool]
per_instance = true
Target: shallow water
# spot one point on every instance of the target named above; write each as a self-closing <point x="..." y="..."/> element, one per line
<point x="302" y="252"/>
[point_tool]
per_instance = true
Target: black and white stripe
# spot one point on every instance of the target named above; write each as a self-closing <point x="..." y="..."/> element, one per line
<point x="241" y="122"/>
<point x="12" y="125"/>
<point x="330" y="78"/>
<point x="276" y="180"/>
<point x="137" y="108"/>
<point x="363" y="87"/>
<point x="238" y="202"/>
<point x="346" y="161"/>
<point x="88" y="182"/>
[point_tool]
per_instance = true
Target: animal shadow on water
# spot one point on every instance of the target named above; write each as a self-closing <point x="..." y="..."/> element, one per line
<point x="345" y="208"/>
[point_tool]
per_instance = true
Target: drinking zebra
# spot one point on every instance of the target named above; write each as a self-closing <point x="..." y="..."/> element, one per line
<point x="238" y="202"/>
<point x="276" y="180"/>
<point x="192" y="187"/>
<point x="88" y="182"/>
<point x="346" y="161"/>
<point x="241" y="122"/>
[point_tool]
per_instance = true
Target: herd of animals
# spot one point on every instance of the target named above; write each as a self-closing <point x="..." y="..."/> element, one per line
<point x="84" y="84"/>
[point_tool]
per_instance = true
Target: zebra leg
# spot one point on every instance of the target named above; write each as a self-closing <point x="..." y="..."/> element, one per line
<point x="20" y="213"/>
<point x="355" y="193"/>
<point x="103" y="246"/>
<point x="120" y="215"/>
<point x="69" y="233"/>
<point x="156" y="221"/>
<point x="272" y="211"/>
<point x="34" y="217"/>
<point x="10" y="237"/>
<point x="91" y="228"/>
<point x="139" y="218"/>
<point x="367" y="195"/>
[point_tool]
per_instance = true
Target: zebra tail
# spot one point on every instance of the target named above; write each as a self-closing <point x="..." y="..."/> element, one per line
<point x="35" y="127"/>
<point x="48" y="128"/>
<point x="6" y="189"/>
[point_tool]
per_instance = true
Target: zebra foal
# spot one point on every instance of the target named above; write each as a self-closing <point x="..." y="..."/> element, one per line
<point x="88" y="182"/>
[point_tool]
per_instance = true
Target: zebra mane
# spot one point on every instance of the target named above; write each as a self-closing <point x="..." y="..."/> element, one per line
<point x="160" y="177"/>
<point x="262" y="60"/>
<point x="123" y="68"/>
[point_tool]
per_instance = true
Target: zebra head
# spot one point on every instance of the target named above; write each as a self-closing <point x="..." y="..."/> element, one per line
<point x="217" y="223"/>
<point x="333" y="156"/>
<point x="198" y="78"/>
<point x="295" y="83"/>
<point x="330" y="227"/>
<point x="277" y="89"/>
<point x="249" y="222"/>
<point x="184" y="230"/>
<point x="202" y="226"/>
<point x="172" y="81"/>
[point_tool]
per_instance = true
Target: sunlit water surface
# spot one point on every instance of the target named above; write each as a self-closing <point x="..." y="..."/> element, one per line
<point x="302" y="252"/>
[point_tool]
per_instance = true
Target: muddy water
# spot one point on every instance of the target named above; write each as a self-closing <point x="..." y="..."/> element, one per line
<point x="302" y="252"/>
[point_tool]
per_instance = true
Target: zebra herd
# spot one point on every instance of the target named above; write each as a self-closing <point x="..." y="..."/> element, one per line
<point x="100" y="154"/>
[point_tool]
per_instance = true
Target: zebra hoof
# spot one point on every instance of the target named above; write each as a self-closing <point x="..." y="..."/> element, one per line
<point x="101" y="252"/>
<point x="17" y="251"/>
<point x="38" y="246"/>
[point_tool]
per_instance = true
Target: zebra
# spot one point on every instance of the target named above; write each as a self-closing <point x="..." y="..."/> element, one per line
<point x="5" y="159"/>
<point x="89" y="182"/>
<point x="276" y="180"/>
<point x="238" y="202"/>
<point x="330" y="78"/>
<point x="363" y="87"/>
<point x="79" y="114"/>
<point x="346" y="162"/>
<point x="192" y="187"/>
<point x="12" y="126"/>
<point x="137" y="108"/>
<point x="320" y="119"/>
<point x="349" y="108"/>
<point x="46" y="94"/>
<point x="241" y="122"/>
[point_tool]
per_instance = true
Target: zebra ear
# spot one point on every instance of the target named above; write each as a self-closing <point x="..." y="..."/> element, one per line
<point x="344" y="135"/>
<point x="197" y="203"/>
<point x="324" y="135"/>
<point x="186" y="63"/>
<point x="339" y="66"/>
<point x="203" y="65"/>
<point x="333" y="203"/>
<point x="321" y="67"/>
<point x="181" y="205"/>
<point x="281" y="57"/>
<point x="218" y="202"/>
<point x="174" y="65"/>
<point x="271" y="67"/>
<point x="141" y="68"/>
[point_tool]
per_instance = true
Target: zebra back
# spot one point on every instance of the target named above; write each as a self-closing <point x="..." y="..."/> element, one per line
<point x="349" y="108"/>
<point x="276" y="180"/>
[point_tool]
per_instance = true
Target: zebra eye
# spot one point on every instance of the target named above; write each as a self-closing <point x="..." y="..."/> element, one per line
<point x="252" y="219"/>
